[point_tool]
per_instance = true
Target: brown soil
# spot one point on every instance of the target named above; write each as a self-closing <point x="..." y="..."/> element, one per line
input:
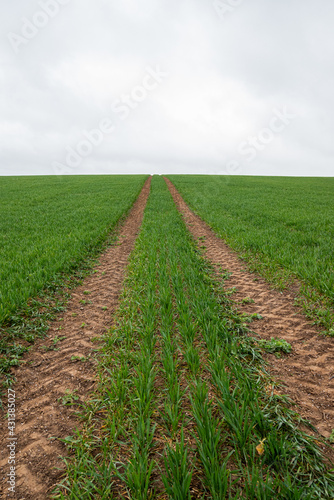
<point x="45" y="376"/>
<point x="308" y="372"/>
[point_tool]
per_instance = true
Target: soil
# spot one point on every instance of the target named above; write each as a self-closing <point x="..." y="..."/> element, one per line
<point x="46" y="376"/>
<point x="307" y="373"/>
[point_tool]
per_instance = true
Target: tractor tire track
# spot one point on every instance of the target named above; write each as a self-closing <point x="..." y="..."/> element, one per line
<point x="308" y="372"/>
<point x="45" y="376"/>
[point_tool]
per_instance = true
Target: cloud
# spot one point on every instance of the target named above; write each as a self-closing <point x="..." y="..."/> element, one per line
<point x="226" y="75"/>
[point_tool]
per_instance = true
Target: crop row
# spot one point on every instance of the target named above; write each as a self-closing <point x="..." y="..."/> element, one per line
<point x="184" y="406"/>
<point x="49" y="228"/>
<point x="283" y="226"/>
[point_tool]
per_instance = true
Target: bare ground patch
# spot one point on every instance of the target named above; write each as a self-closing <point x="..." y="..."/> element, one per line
<point x="307" y="374"/>
<point x="55" y="369"/>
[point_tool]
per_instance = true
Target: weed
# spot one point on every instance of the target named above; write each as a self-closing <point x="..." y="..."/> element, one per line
<point x="58" y="339"/>
<point x="329" y="333"/>
<point x="84" y="302"/>
<point x="275" y="345"/>
<point x="69" y="398"/>
<point x="79" y="358"/>
<point x="251" y="317"/>
<point x="53" y="347"/>
<point x="246" y="300"/>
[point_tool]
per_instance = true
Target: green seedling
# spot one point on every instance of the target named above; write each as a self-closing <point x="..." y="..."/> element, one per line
<point x="49" y="348"/>
<point x="193" y="360"/>
<point x="58" y="339"/>
<point x="209" y="438"/>
<point x="246" y="300"/>
<point x="79" y="358"/>
<point x="69" y="398"/>
<point x="178" y="471"/>
<point x="54" y="344"/>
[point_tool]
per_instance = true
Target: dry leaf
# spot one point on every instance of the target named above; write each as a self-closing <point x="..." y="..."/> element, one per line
<point x="260" y="447"/>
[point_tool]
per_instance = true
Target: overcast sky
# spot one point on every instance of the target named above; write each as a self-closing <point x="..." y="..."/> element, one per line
<point x="167" y="86"/>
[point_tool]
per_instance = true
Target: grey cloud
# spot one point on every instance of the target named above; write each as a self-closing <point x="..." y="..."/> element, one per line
<point x="225" y="77"/>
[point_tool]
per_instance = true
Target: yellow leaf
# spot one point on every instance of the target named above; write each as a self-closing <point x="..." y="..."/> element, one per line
<point x="260" y="447"/>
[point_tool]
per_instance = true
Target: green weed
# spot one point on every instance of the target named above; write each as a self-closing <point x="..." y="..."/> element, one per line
<point x="275" y="345"/>
<point x="69" y="398"/>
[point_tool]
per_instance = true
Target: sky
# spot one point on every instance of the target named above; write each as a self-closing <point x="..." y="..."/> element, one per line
<point x="235" y="87"/>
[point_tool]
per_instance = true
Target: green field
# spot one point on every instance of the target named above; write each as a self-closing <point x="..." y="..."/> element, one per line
<point x="50" y="224"/>
<point x="184" y="407"/>
<point x="288" y="222"/>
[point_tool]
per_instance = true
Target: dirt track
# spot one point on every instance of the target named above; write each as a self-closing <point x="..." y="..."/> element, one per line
<point x="308" y="372"/>
<point x="45" y="375"/>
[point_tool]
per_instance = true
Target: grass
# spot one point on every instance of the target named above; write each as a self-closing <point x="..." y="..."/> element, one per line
<point x="184" y="407"/>
<point x="51" y="231"/>
<point x="283" y="228"/>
